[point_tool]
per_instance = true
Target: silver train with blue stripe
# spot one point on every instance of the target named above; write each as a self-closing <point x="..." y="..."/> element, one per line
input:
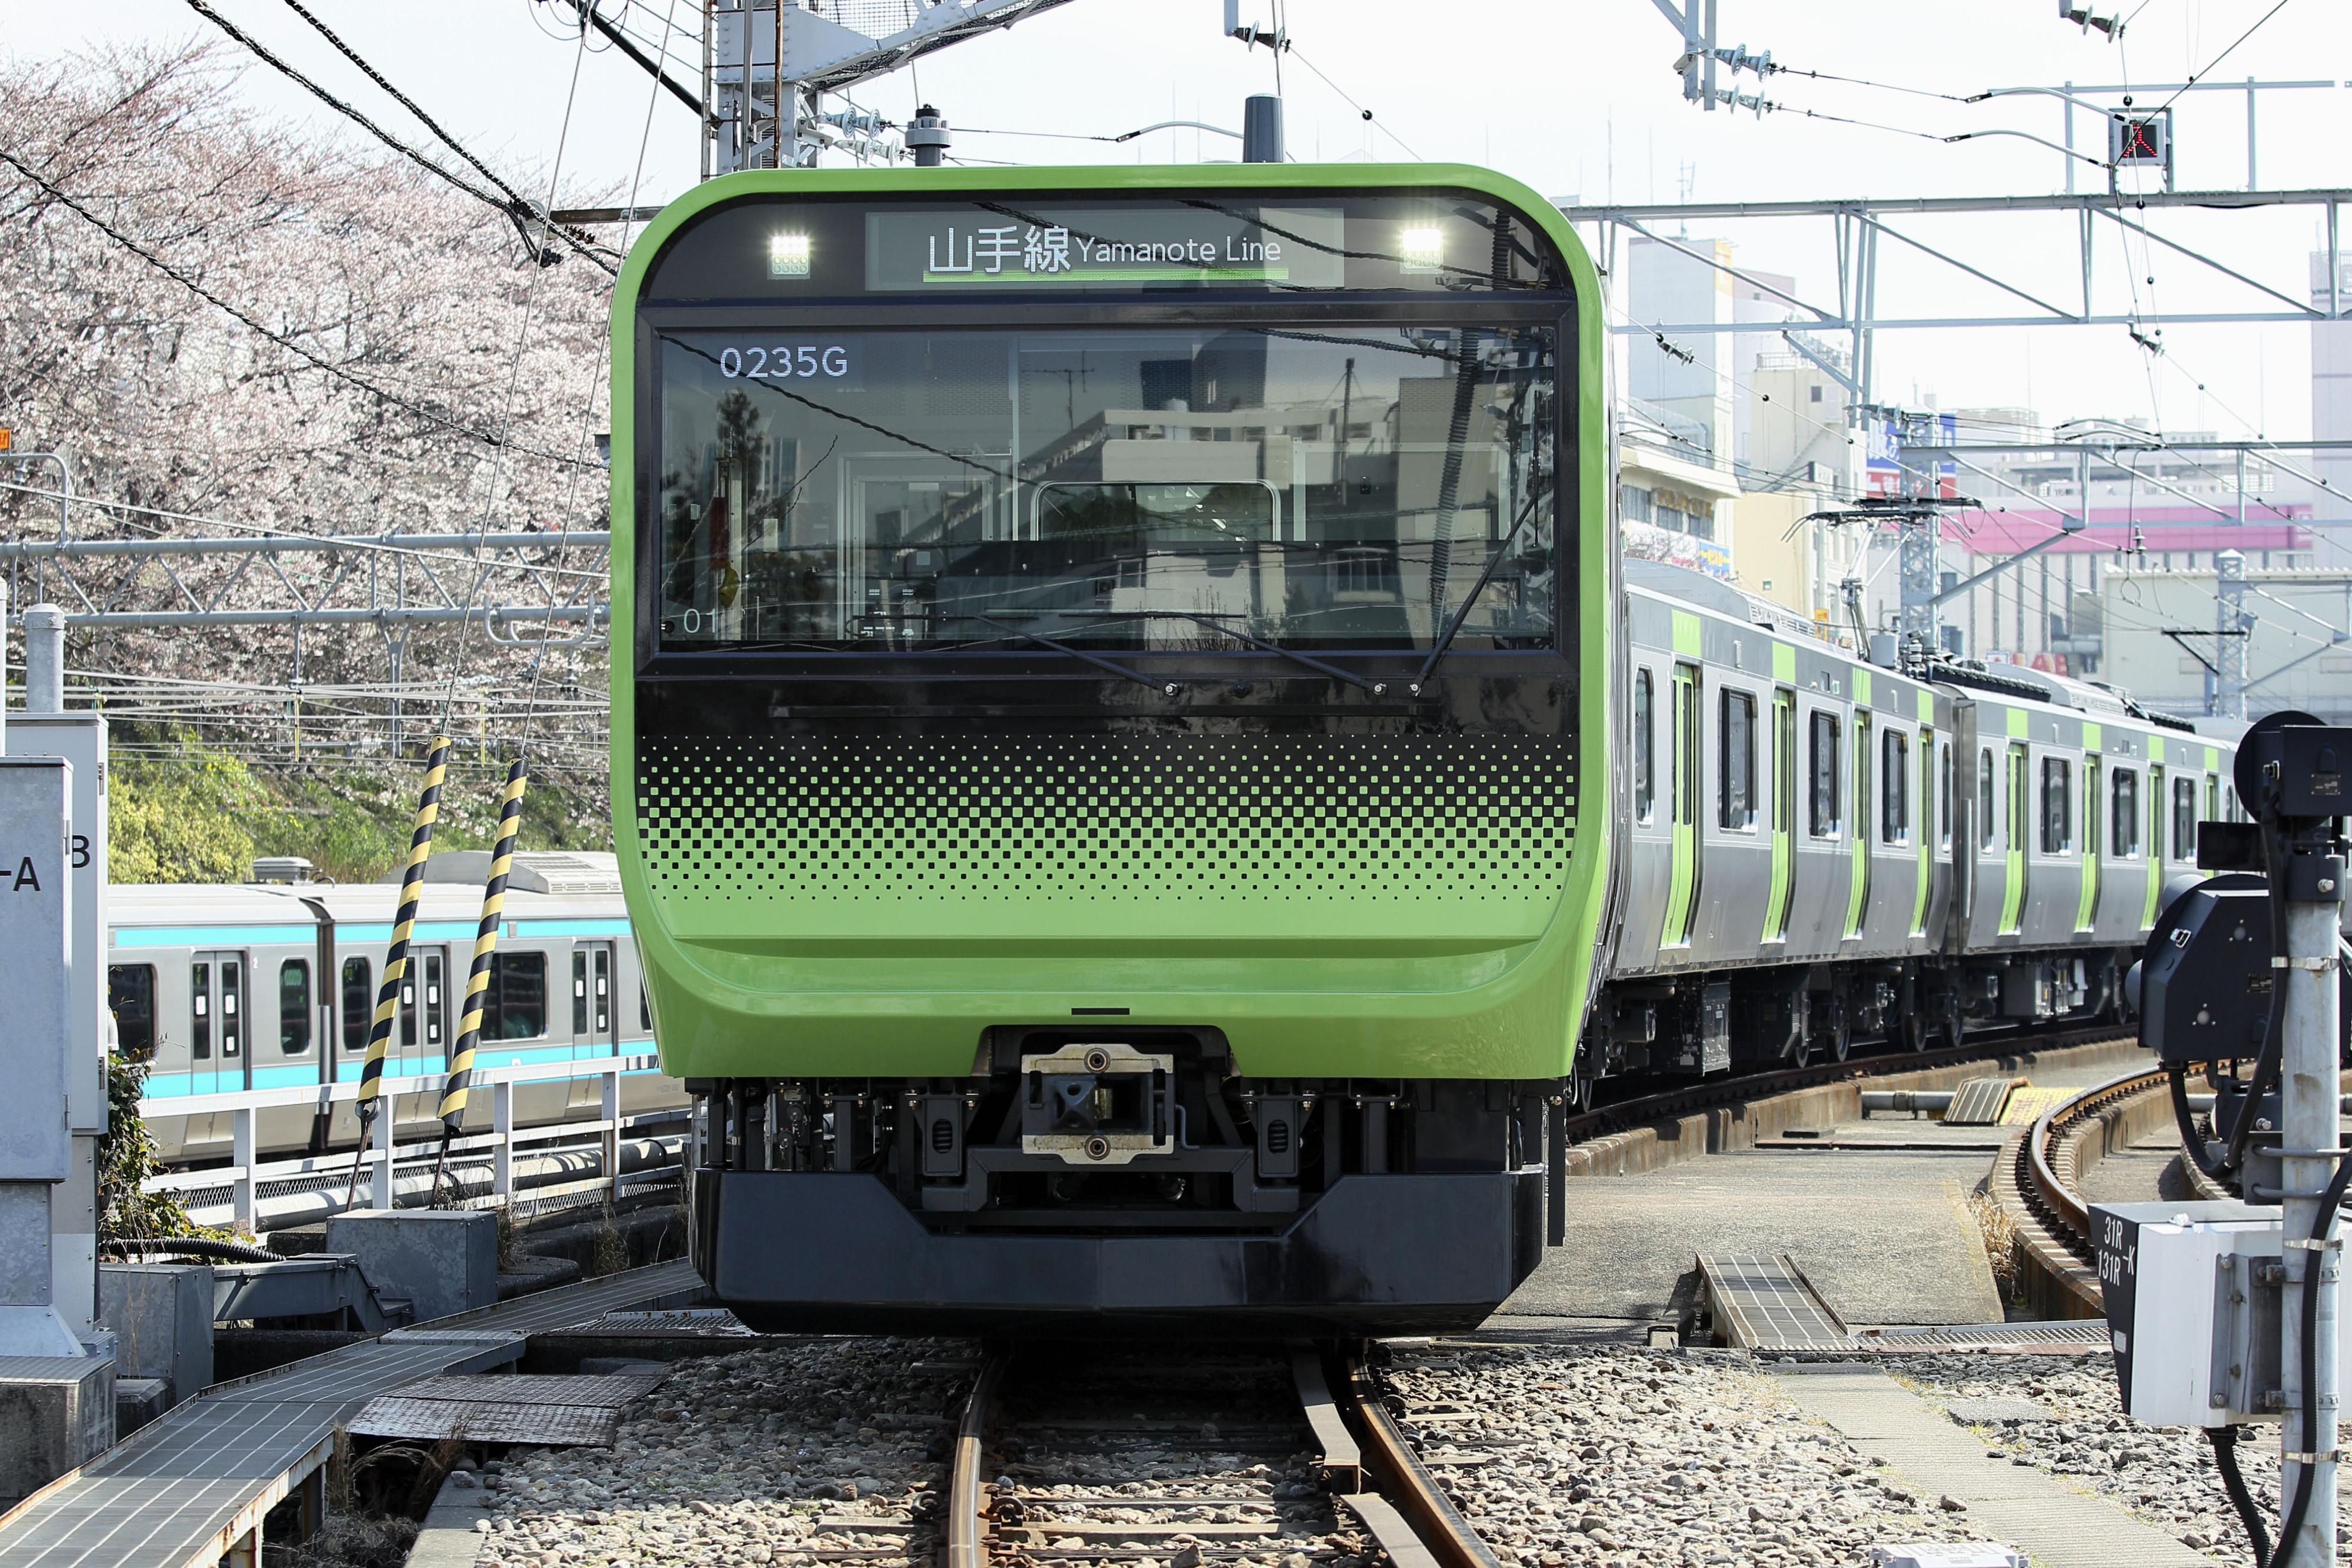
<point x="1816" y="850"/>
<point x="272" y="986"/>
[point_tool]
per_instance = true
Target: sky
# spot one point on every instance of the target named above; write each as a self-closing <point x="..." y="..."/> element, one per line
<point x="1577" y="98"/>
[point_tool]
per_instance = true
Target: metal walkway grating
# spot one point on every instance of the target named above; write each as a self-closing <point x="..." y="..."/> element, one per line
<point x="1767" y="1304"/>
<point x="181" y="1492"/>
<point x="1979" y="1101"/>
<point x="2079" y="1335"/>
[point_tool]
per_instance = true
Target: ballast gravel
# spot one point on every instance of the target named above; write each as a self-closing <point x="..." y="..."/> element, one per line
<point x="2165" y="1475"/>
<point x="1620" y="1456"/>
<point x="757" y="1458"/>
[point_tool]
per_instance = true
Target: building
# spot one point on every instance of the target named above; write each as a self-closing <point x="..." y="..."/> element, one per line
<point x="1675" y="497"/>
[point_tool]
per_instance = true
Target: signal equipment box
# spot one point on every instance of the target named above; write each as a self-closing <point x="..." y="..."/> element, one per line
<point x="2192" y="1300"/>
<point x="2205" y="986"/>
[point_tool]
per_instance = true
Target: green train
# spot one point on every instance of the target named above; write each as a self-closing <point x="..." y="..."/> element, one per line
<point x="1107" y="667"/>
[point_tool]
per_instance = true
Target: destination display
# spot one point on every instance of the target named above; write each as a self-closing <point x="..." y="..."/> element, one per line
<point x="976" y="246"/>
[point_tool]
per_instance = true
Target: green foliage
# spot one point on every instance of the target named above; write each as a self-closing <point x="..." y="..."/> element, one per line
<point x="202" y="816"/>
<point x="126" y="1157"/>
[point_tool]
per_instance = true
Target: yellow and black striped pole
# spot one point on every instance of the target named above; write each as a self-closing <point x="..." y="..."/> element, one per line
<point x="395" y="957"/>
<point x="454" y="1091"/>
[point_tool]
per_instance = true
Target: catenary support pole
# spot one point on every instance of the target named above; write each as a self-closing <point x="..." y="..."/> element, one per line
<point x="395" y="957"/>
<point x="458" y="1087"/>
<point x="2309" y="1124"/>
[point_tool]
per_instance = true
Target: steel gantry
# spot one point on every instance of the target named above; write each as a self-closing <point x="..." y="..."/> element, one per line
<point x="2040" y="300"/>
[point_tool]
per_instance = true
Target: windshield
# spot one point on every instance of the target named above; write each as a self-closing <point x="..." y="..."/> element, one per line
<point x="1141" y="488"/>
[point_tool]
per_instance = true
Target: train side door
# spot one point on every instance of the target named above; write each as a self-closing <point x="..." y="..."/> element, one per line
<point x="2157" y="804"/>
<point x="592" y="1000"/>
<point x="1681" y="892"/>
<point x="219" y="1035"/>
<point x="2012" y="897"/>
<point x="1784" y="815"/>
<point x="1857" y="907"/>
<point x="421" y="1037"/>
<point x="2088" y="910"/>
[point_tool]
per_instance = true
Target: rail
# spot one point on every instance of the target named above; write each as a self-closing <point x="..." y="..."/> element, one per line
<point x="328" y="1174"/>
<point x="1367" y="1462"/>
<point x="2036" y="1180"/>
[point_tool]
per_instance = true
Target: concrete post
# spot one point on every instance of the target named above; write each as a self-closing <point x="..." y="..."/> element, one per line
<point x="502" y="1151"/>
<point x="36" y="1142"/>
<point x="608" y="1086"/>
<point x="241" y="1157"/>
<point x="380" y="1177"/>
<point x="45" y="659"/>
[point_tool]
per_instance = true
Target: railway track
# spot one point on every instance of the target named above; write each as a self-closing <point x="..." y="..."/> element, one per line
<point x="1624" y="1114"/>
<point x="2038" y="1180"/>
<point x="1120" y="1454"/>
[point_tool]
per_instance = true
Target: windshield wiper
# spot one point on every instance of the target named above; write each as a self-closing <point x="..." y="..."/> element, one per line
<point x="1437" y="651"/>
<point x="1165" y="689"/>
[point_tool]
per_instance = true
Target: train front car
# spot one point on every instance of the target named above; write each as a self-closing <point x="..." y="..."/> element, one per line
<point x="1107" y="665"/>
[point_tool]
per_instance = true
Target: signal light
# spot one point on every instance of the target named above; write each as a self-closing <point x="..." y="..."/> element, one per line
<point x="2139" y="138"/>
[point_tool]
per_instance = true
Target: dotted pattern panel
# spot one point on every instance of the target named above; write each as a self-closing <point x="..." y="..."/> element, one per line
<point x="1386" y="820"/>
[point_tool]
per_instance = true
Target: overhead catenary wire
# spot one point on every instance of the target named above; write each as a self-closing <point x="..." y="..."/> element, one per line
<point x="517" y="206"/>
<point x="514" y="376"/>
<point x="527" y="733"/>
<point x="455" y="426"/>
<point x="262" y="53"/>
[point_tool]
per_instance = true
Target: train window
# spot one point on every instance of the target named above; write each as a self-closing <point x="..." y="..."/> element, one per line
<point x="200" y="1010"/>
<point x="2057" y="806"/>
<point x="1736" y="793"/>
<point x="579" y="992"/>
<point x="928" y="542"/>
<point x="1985" y="817"/>
<point x="1645" y="788"/>
<point x="2184" y="819"/>
<point x="359" y="1004"/>
<point x="514" y="1006"/>
<point x="2123" y="836"/>
<point x="130" y="996"/>
<point x="1894" y="788"/>
<point x="1944" y="798"/>
<point x="232" y="1019"/>
<point x="294" y="1005"/>
<point x="1825" y="819"/>
<point x="2214" y="799"/>
<point x="1685" y="757"/>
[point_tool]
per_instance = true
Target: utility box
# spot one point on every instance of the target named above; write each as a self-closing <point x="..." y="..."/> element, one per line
<point x="161" y="1315"/>
<point x="2193" y="1299"/>
<point x="439" y="1260"/>
<point x="55" y="1411"/>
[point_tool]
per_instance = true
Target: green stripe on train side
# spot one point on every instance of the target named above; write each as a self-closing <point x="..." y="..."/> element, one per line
<point x="1857" y="902"/>
<point x="1925" y="795"/>
<point x="1784" y="793"/>
<point x="2086" y="904"/>
<point x="2017" y="724"/>
<point x="1687" y="635"/>
<point x="2013" y="766"/>
<point x="1683" y="718"/>
<point x="1784" y="664"/>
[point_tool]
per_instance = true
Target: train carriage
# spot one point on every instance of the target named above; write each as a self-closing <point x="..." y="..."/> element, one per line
<point x="273" y="986"/>
<point x="1103" y="660"/>
<point x="1819" y="849"/>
